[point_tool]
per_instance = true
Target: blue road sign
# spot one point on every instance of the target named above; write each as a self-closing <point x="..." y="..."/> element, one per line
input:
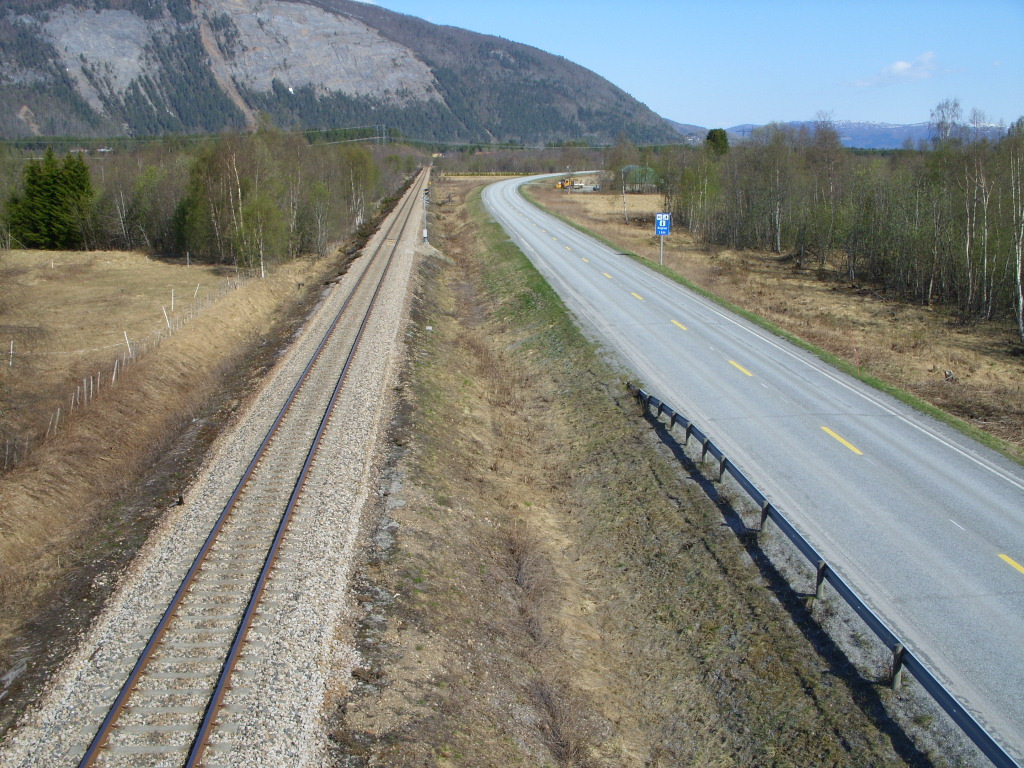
<point x="662" y="223"/>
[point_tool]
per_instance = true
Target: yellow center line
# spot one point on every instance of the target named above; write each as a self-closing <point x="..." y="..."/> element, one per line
<point x="848" y="445"/>
<point x="568" y="248"/>
<point x="607" y="275"/>
<point x="1012" y="562"/>
<point x="676" y="322"/>
<point x="637" y="295"/>
<point x="737" y="365"/>
<point x="585" y="259"/>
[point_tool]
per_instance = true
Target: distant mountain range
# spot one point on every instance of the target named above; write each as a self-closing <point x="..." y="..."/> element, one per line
<point x="149" y="67"/>
<point x="862" y="135"/>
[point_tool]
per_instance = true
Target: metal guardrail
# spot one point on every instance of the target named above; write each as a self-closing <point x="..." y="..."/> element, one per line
<point x="903" y="657"/>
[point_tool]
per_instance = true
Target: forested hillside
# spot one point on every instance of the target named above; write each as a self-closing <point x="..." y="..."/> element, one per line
<point x="151" y="67"/>
<point x="505" y="89"/>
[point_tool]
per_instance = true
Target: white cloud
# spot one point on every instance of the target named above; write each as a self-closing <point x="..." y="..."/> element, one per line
<point x="921" y="68"/>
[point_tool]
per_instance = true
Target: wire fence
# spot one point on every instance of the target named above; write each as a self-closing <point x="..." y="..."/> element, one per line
<point x="903" y="657"/>
<point x="91" y="388"/>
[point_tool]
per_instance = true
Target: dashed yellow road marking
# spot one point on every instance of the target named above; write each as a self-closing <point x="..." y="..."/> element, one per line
<point x="568" y="248"/>
<point x="637" y="295"/>
<point x="585" y="259"/>
<point x="848" y="445"/>
<point x="1010" y="561"/>
<point x="607" y="275"/>
<point x="676" y="322"/>
<point x="740" y="367"/>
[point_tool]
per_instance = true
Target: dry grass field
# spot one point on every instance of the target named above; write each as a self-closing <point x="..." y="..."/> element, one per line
<point x="906" y="345"/>
<point x="68" y="314"/>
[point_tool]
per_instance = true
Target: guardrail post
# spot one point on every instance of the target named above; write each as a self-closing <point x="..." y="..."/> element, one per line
<point x="721" y="468"/>
<point x="704" y="449"/>
<point x="897" y="666"/>
<point x="764" y="515"/>
<point x="819" y="586"/>
<point x="686" y="438"/>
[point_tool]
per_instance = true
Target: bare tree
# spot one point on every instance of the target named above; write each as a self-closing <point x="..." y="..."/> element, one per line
<point x="946" y="121"/>
<point x="1015" y="144"/>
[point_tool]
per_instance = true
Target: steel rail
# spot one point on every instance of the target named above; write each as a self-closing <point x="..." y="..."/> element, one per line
<point x="206" y="727"/>
<point x="117" y="708"/>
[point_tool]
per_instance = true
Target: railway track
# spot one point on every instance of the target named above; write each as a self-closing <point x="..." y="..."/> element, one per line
<point x="170" y="709"/>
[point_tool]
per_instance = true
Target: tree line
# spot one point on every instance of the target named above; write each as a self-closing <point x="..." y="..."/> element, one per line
<point x="243" y="200"/>
<point x="939" y="224"/>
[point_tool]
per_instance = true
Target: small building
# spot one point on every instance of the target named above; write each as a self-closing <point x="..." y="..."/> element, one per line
<point x="640" y="179"/>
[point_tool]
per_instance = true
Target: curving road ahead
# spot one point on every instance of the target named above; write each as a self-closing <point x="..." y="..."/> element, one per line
<point x="926" y="525"/>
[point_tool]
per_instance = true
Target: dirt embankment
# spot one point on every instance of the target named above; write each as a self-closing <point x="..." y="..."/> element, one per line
<point x="909" y="346"/>
<point x="544" y="586"/>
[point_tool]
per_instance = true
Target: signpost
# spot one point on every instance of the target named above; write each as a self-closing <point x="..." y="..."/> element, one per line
<point x="662" y="227"/>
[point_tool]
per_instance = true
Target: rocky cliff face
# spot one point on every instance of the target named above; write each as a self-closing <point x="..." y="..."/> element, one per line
<point x="143" y="67"/>
<point x="103" y="52"/>
<point x="301" y="45"/>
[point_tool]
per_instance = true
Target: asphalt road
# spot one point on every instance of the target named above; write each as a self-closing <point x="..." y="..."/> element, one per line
<point x="925" y="524"/>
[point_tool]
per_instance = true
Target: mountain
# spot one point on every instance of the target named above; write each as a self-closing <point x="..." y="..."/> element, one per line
<point x="148" y="67"/>
<point x="867" y="135"/>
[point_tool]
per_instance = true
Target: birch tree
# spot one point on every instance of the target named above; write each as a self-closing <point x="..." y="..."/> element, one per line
<point x="1015" y="150"/>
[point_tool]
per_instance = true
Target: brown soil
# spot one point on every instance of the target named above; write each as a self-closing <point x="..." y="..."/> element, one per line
<point x="543" y="585"/>
<point x="907" y="345"/>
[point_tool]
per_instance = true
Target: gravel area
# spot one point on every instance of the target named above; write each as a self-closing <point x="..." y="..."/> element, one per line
<point x="273" y="714"/>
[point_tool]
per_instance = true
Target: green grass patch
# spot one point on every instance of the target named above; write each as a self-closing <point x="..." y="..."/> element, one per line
<point x="525" y="297"/>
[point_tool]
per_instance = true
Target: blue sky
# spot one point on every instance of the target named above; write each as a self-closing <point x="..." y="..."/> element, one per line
<point x="719" y="63"/>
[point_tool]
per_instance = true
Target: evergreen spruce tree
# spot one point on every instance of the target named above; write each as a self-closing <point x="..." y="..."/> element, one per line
<point x="77" y="196"/>
<point x="718" y="140"/>
<point x="54" y="205"/>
